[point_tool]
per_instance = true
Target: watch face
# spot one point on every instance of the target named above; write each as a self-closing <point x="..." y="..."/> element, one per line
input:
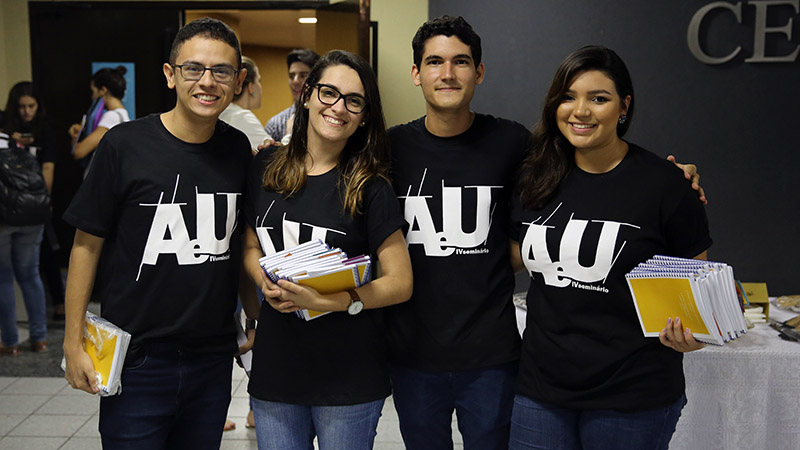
<point x="355" y="307"/>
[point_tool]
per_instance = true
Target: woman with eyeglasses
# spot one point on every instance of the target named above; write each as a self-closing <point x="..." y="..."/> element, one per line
<point x="590" y="207"/>
<point x="326" y="377"/>
<point x="108" y="88"/>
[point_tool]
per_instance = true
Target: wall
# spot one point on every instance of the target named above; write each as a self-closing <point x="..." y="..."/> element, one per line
<point x="736" y="121"/>
<point x="15" y="46"/>
<point x="397" y="23"/>
<point x="271" y="62"/>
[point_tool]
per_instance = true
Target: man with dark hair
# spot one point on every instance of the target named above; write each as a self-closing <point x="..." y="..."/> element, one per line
<point x="455" y="344"/>
<point x="299" y="62"/>
<point x="157" y="244"/>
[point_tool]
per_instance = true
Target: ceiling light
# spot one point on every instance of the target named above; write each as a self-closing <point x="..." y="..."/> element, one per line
<point x="307" y="20"/>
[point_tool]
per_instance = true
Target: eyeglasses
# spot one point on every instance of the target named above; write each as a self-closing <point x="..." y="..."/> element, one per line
<point x="329" y="95"/>
<point x="193" y="72"/>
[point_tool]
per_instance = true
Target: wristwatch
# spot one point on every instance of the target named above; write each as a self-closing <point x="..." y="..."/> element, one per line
<point x="249" y="324"/>
<point x="356" y="305"/>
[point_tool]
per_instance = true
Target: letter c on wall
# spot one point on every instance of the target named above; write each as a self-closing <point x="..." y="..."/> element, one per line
<point x="693" y="33"/>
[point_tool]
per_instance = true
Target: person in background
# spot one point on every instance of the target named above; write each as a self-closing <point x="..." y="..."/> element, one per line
<point x="20" y="245"/>
<point x="326" y="377"/>
<point x="108" y="86"/>
<point x="239" y="115"/>
<point x="590" y="207"/>
<point x="299" y="62"/>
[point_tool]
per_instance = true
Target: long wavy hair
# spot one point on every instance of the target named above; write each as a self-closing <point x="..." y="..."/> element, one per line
<point x="13" y="120"/>
<point x="552" y="156"/>
<point x="365" y="156"/>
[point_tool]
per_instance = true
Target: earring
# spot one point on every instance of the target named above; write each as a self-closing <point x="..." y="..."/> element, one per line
<point x="362" y="123"/>
<point x="305" y="105"/>
<point x="623" y="118"/>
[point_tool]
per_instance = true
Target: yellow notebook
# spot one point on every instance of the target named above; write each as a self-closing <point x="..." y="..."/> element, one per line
<point x="107" y="346"/>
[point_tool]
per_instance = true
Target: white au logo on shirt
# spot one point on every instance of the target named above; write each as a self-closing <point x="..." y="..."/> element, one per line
<point x="452" y="238"/>
<point x="291" y="232"/>
<point x="568" y="270"/>
<point x="169" y="235"/>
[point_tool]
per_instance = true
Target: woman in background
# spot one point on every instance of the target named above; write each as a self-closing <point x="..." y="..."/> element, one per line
<point x="19" y="245"/>
<point x="239" y="114"/>
<point x="108" y="86"/>
<point x="327" y="377"/>
<point x="591" y="206"/>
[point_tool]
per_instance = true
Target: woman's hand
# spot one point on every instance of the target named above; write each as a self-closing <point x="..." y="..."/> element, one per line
<point x="24" y="140"/>
<point x="273" y="294"/>
<point x="247" y="346"/>
<point x="306" y="297"/>
<point x="74" y="131"/>
<point x="678" y="339"/>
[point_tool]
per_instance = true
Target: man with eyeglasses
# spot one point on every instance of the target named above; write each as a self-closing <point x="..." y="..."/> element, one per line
<point x="157" y="243"/>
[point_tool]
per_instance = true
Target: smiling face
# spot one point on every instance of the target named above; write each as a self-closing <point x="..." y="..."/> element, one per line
<point x="334" y="124"/>
<point x="447" y="74"/>
<point x="590" y="110"/>
<point x="298" y="72"/>
<point x="27" y="108"/>
<point x="206" y="98"/>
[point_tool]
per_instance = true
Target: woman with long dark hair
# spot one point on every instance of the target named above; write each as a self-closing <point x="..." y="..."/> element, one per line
<point x="590" y="207"/>
<point x="20" y="244"/>
<point x="327" y="376"/>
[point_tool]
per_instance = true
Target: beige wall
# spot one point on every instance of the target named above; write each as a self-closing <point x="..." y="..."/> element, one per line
<point x="271" y="62"/>
<point x="397" y="23"/>
<point x="15" y="46"/>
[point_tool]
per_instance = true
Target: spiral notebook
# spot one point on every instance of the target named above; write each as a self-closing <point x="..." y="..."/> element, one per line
<point x="317" y="265"/>
<point x="701" y="293"/>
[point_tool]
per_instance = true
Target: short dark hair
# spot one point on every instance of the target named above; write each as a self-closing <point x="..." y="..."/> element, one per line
<point x="111" y="79"/>
<point x="208" y="28"/>
<point x="303" y="55"/>
<point x="446" y="26"/>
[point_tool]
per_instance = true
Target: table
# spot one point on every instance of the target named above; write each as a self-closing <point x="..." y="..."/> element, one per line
<point x="744" y="395"/>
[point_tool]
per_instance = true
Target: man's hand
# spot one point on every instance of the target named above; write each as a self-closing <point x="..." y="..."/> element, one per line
<point x="247" y="346"/>
<point x="690" y="173"/>
<point x="268" y="142"/>
<point x="80" y="371"/>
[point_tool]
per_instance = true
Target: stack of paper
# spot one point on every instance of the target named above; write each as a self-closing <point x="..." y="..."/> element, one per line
<point x="315" y="264"/>
<point x="107" y="346"/>
<point x="701" y="293"/>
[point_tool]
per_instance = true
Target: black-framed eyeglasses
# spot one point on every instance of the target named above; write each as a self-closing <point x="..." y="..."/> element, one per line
<point x="193" y="72"/>
<point x="329" y="95"/>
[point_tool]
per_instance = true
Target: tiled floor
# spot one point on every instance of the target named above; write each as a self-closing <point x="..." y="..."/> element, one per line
<point x="45" y="413"/>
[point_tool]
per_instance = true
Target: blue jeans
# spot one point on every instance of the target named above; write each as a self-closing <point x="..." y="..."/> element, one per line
<point x="171" y="400"/>
<point x="284" y="426"/>
<point x="545" y="427"/>
<point x="19" y="258"/>
<point x="482" y="400"/>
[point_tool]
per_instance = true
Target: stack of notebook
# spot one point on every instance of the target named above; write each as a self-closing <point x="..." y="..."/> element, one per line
<point x="701" y="293"/>
<point x="315" y="264"/>
<point x="107" y="345"/>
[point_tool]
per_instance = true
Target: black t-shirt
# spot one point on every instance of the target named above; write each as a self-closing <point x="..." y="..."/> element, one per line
<point x="455" y="193"/>
<point x="583" y="347"/>
<point x="335" y="359"/>
<point x="168" y="211"/>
